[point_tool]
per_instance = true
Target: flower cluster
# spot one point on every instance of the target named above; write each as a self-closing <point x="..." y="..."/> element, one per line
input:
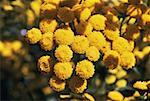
<point x="8" y="49"/>
<point x="78" y="33"/>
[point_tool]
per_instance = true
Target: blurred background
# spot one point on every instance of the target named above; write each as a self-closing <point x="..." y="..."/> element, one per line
<point x="19" y="76"/>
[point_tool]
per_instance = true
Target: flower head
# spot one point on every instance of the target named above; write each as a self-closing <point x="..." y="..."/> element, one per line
<point x="57" y="84"/>
<point x="64" y="36"/>
<point x="63" y="70"/>
<point x="46" y="42"/>
<point x="63" y="53"/>
<point x="80" y="44"/>
<point x="33" y="35"/>
<point x="85" y="69"/>
<point x="77" y="85"/>
<point x="45" y="64"/>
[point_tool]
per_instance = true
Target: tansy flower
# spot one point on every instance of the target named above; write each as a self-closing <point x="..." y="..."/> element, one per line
<point x="130" y="98"/>
<point x="63" y="53"/>
<point x="35" y="5"/>
<point x="120" y="45"/>
<point x="16" y="45"/>
<point x="85" y="14"/>
<point x="107" y="47"/>
<point x="55" y="2"/>
<point x="111" y="59"/>
<point x="115" y="95"/>
<point x="57" y="84"/>
<point x="30" y="16"/>
<point x="48" y="10"/>
<point x="127" y="59"/>
<point x="48" y="25"/>
<point x="90" y="3"/>
<point x="46" y="41"/>
<point x="84" y="28"/>
<point x="131" y="45"/>
<point x="133" y="11"/>
<point x="136" y="94"/>
<point x="146" y="50"/>
<point x="80" y="44"/>
<point x="98" y="22"/>
<point x="85" y="69"/>
<point x="132" y="32"/>
<point x="88" y="97"/>
<point x="92" y="53"/>
<point x="45" y="64"/>
<point x="33" y="35"/>
<point x="111" y="34"/>
<point x="1" y="46"/>
<point x="121" y="83"/>
<point x="110" y="79"/>
<point x="63" y="70"/>
<point x="64" y="36"/>
<point x="65" y="14"/>
<point x="140" y="85"/>
<point x="121" y="73"/>
<point x="97" y="39"/>
<point x="77" y="85"/>
<point x="145" y="18"/>
<point x="7" y="52"/>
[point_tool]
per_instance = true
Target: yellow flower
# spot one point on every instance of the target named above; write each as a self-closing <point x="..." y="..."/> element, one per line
<point x="48" y="25"/>
<point x="63" y="53"/>
<point x="88" y="97"/>
<point x="18" y="3"/>
<point x="1" y="46"/>
<point x="48" y="10"/>
<point x="64" y="36"/>
<point x="110" y="79"/>
<point x="35" y="5"/>
<point x="97" y="39"/>
<point x="16" y="45"/>
<point x="106" y="48"/>
<point x="33" y="35"/>
<point x="63" y="70"/>
<point x="85" y="14"/>
<point x="140" y="85"/>
<point x="111" y="59"/>
<point x="131" y="45"/>
<point x="132" y="32"/>
<point x="98" y="22"/>
<point x="121" y="73"/>
<point x="45" y="64"/>
<point x="46" y="41"/>
<point x="84" y="28"/>
<point x="111" y="34"/>
<point x="121" y="83"/>
<point x="136" y="94"/>
<point x="127" y="59"/>
<point x="146" y="50"/>
<point x="7" y="52"/>
<point x="55" y="2"/>
<point x="145" y="18"/>
<point x="92" y="53"/>
<point x="69" y="3"/>
<point x="80" y="44"/>
<point x="77" y="85"/>
<point x="57" y="84"/>
<point x="65" y="14"/>
<point x="120" y="45"/>
<point x="90" y="3"/>
<point x="133" y="11"/>
<point x="85" y="69"/>
<point x="115" y="95"/>
<point x="30" y="16"/>
<point x="130" y="98"/>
